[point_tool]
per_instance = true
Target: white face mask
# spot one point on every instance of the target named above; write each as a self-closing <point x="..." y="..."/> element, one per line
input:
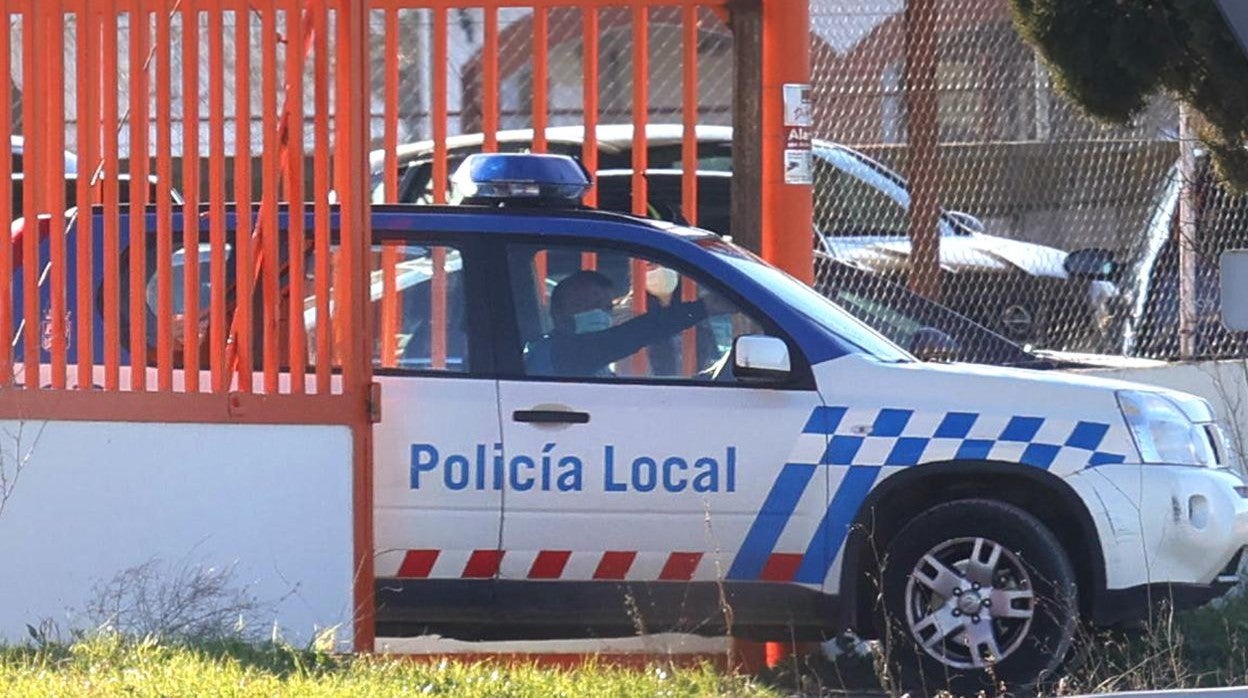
<point x="595" y="320"/>
<point x="661" y="281"/>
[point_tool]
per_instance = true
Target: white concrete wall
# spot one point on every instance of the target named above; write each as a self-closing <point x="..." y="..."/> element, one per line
<point x="94" y="499"/>
<point x="1223" y="383"/>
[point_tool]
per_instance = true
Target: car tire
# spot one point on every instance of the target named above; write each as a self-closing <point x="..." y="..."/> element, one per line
<point x="977" y="594"/>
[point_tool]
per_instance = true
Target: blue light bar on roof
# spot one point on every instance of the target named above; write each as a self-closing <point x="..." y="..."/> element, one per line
<point x="520" y="178"/>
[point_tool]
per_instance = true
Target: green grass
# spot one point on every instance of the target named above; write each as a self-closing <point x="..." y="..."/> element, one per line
<point x="1206" y="647"/>
<point x="110" y="666"/>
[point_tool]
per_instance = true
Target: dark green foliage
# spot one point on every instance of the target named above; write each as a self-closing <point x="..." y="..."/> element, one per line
<point x="1111" y="56"/>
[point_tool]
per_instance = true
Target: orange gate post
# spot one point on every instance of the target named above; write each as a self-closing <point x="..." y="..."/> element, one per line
<point x="786" y="214"/>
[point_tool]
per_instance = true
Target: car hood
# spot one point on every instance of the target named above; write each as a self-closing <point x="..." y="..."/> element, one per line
<point x="1058" y="391"/>
<point x="1087" y="360"/>
<point x="971" y="252"/>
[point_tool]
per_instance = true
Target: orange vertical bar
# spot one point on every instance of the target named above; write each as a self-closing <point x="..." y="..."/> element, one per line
<point x="296" y="51"/>
<point x="190" y="194"/>
<point x="437" y="299"/>
<point x="109" y="190"/>
<point x="352" y="121"/>
<point x="689" y="110"/>
<point x="438" y="67"/>
<point x="589" y="108"/>
<point x="321" y="187"/>
<point x="139" y="121"/>
<point x="54" y="188"/>
<point x="216" y="197"/>
<point x="164" y="212"/>
<point x="541" y="272"/>
<point x="589" y="98"/>
<point x="271" y="176"/>
<point x="31" y="171"/>
<point x="489" y="79"/>
<point x="389" y="305"/>
<point x="641" y="99"/>
<point x="689" y="176"/>
<point x="785" y="207"/>
<point x="59" y="225"/>
<point x="541" y="76"/>
<point x="87" y="78"/>
<point x="243" y="281"/>
<point x="390" y="67"/>
<point x="6" y="203"/>
<point x="541" y="105"/>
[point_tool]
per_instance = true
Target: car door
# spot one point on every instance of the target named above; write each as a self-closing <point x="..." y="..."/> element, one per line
<point x="437" y="515"/>
<point x="657" y="465"/>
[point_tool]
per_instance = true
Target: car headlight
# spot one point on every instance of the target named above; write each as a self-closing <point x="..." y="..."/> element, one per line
<point x="1163" y="433"/>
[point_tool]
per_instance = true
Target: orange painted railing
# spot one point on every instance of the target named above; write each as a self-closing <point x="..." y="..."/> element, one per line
<point x="105" y="328"/>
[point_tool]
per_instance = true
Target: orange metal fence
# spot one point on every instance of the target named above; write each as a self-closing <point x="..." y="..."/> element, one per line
<point x="172" y="298"/>
<point x="134" y="307"/>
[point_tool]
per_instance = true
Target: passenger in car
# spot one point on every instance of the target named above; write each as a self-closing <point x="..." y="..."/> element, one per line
<point x="584" y="343"/>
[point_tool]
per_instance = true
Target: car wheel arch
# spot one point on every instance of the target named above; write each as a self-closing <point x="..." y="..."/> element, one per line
<point x="899" y="497"/>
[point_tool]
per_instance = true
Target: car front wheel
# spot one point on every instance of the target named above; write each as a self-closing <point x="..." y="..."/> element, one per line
<point x="976" y="594"/>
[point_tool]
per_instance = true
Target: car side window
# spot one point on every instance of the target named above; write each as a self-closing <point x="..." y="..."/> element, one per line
<point x="585" y="312"/>
<point x="419" y="308"/>
<point x="849" y="206"/>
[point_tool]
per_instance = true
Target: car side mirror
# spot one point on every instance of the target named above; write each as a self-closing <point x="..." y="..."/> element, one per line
<point x="966" y="220"/>
<point x="1093" y="263"/>
<point x="758" y="357"/>
<point x="931" y="344"/>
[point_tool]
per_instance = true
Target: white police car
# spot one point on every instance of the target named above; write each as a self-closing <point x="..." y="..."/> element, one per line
<point x="595" y="424"/>
<point x="752" y="459"/>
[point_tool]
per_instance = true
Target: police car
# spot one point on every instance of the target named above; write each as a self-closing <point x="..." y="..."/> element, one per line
<point x="595" y="424"/>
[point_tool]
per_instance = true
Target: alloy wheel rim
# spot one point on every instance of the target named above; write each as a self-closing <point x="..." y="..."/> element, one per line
<point x="969" y="603"/>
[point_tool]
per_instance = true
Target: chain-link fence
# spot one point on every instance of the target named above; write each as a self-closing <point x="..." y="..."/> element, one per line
<point x="1023" y="179"/>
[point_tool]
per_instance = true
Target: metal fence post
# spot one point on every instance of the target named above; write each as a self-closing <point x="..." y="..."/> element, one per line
<point x="786" y="214"/>
<point x="923" y="136"/>
<point x="1187" y="235"/>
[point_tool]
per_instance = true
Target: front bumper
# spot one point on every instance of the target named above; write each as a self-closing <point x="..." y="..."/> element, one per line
<point x="1166" y="532"/>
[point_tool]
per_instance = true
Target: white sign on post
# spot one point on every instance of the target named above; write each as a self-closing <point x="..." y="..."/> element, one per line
<point x="1235" y="290"/>
<point x="797" y="121"/>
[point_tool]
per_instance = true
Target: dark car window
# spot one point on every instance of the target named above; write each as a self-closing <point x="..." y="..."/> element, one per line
<point x="849" y="206"/>
<point x="905" y="317"/>
<point x="665" y="196"/>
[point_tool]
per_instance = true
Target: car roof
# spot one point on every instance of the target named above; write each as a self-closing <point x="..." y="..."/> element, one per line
<point x="468" y="218"/>
<point x="611" y="138"/>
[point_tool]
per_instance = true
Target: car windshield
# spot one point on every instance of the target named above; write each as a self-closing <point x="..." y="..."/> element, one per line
<point x="808" y="302"/>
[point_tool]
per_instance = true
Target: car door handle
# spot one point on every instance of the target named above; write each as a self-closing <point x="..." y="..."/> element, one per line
<point x="550" y="417"/>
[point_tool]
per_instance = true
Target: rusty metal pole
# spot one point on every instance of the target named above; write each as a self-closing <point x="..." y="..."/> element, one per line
<point x="786" y="213"/>
<point x="923" y="134"/>
<point x="1188" y="319"/>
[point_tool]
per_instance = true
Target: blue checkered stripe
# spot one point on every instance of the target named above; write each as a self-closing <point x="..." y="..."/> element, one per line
<point x="900" y="437"/>
<point x="859" y="446"/>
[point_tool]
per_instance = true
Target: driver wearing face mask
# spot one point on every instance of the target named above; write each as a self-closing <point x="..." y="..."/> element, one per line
<point x="584" y="342"/>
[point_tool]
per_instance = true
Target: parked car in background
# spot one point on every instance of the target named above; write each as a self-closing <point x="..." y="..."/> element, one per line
<point x="1151" y="282"/>
<point x="17" y="149"/>
<point x="1027" y="292"/>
